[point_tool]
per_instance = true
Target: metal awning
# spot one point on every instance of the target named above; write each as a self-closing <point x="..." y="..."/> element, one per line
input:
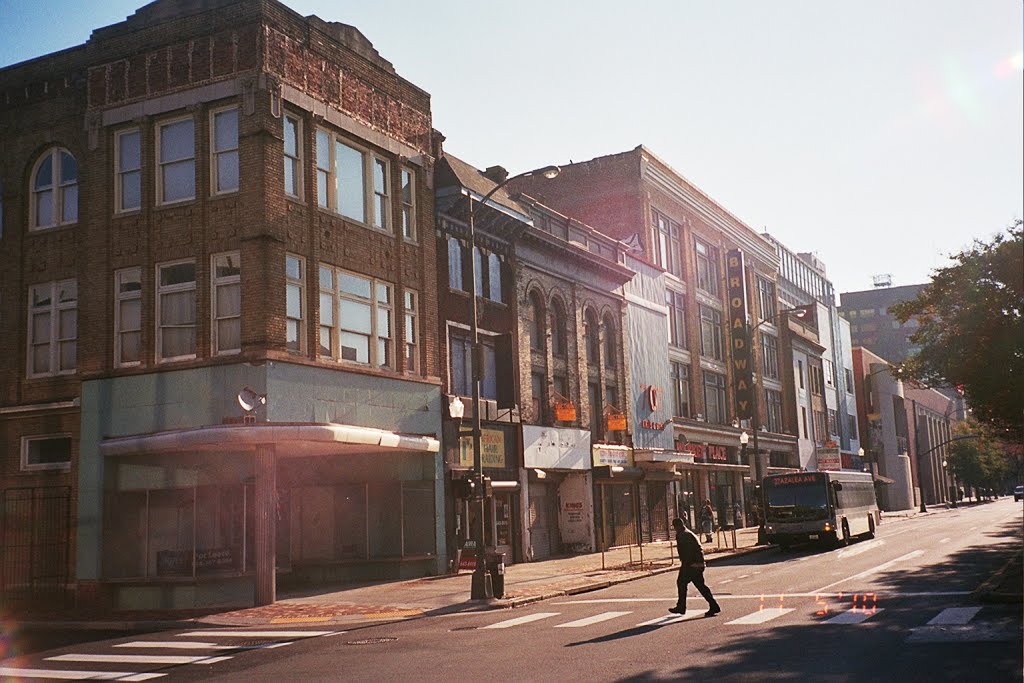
<point x="288" y="439"/>
<point x="884" y="480"/>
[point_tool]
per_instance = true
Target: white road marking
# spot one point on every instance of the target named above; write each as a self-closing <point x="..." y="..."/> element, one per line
<point x="257" y="634"/>
<point x="873" y="570"/>
<point x="944" y="540"/>
<point x="743" y="576"/>
<point x="761" y="616"/>
<point x="177" y="645"/>
<point x="70" y="675"/>
<point x="880" y="594"/>
<point x="853" y="616"/>
<point x="596" y="619"/>
<point x="859" y="548"/>
<point x="724" y="581"/>
<point x="508" y="623"/>
<point x="673" y="619"/>
<point x="136" y="659"/>
<point x="954" y="616"/>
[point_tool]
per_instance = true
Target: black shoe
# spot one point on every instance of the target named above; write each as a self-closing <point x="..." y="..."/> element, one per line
<point x="677" y="610"/>
<point x="713" y="611"/>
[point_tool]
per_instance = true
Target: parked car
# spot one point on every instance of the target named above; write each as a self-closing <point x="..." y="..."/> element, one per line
<point x="1018" y="493"/>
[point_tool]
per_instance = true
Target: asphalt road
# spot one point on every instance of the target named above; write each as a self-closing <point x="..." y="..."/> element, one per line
<point x="896" y="608"/>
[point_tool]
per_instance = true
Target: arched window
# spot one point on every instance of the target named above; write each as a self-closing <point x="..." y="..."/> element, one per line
<point x="593" y="337"/>
<point x="54" y="190"/>
<point x="609" y="342"/>
<point x="535" y="321"/>
<point x="558" y="339"/>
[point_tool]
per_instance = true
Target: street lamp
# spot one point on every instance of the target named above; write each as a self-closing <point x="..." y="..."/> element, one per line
<point x="481" y="586"/>
<point x="860" y="455"/>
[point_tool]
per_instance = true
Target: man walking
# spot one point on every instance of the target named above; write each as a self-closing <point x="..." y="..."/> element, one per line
<point x="691" y="570"/>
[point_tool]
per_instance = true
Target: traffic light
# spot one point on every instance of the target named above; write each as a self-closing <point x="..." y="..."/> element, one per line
<point x="464" y="487"/>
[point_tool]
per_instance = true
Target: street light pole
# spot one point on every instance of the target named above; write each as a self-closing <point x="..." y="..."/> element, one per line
<point x="481" y="588"/>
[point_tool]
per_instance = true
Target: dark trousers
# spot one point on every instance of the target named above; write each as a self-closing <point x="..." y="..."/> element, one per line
<point x="694" y="575"/>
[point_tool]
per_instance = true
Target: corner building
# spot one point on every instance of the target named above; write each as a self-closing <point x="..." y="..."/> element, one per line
<point x="685" y="422"/>
<point x="218" y="257"/>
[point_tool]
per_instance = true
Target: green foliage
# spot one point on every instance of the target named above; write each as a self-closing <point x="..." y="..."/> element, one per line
<point x="971" y="332"/>
<point x="978" y="458"/>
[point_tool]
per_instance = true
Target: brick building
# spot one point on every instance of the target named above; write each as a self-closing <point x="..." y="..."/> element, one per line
<point x="675" y="227"/>
<point x="215" y="203"/>
<point x="550" y="317"/>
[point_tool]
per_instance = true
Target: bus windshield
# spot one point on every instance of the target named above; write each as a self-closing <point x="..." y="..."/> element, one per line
<point x="798" y="502"/>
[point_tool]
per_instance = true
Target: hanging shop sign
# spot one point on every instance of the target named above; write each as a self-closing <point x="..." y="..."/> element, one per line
<point x="743" y="376"/>
<point x="615" y="422"/>
<point x="565" y="411"/>
<point x="613" y="456"/>
<point x="829" y="459"/>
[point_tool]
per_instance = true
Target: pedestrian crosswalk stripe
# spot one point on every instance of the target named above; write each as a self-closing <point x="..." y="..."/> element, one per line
<point x="671" y="619"/>
<point x="596" y="619"/>
<point x="136" y="659"/>
<point x="853" y="616"/>
<point x="508" y="623"/>
<point x="177" y="645"/>
<point x="952" y="616"/>
<point x="241" y="633"/>
<point x="761" y="616"/>
<point x="69" y="675"/>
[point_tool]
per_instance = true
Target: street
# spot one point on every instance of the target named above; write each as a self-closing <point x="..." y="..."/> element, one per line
<point x="898" y="607"/>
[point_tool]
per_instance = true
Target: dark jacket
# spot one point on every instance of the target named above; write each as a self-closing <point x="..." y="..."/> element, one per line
<point x="691" y="555"/>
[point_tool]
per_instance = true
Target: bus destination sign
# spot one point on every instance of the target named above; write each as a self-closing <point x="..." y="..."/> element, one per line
<point x="792" y="479"/>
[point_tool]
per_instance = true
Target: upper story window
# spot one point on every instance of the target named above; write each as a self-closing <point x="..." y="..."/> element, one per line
<point x="226" y="303"/>
<point x="54" y="190"/>
<point x="538" y="402"/>
<point x="488" y="274"/>
<point x="849" y="380"/>
<point x="455" y="265"/>
<point x="680" y="389"/>
<point x="408" y="204"/>
<point x="176" y="161"/>
<point x="224" y="150"/>
<point x="773" y="408"/>
<point x="356" y="318"/>
<point x="769" y="356"/>
<point x="714" y="398"/>
<point x="676" y="318"/>
<point x="460" y="364"/>
<point x="176" y="310"/>
<point x="412" y="349"/>
<point x="766" y="299"/>
<point x="592" y="337"/>
<point x="53" y="328"/>
<point x="610" y="346"/>
<point x="535" y="322"/>
<point x="667" y="246"/>
<point x="128" y="185"/>
<point x="711" y="333"/>
<point x="800" y="373"/>
<point x="559" y="341"/>
<point x="292" y="156"/>
<point x="707" y="267"/>
<point x="50" y="452"/>
<point x="352" y="182"/>
<point x="295" y="302"/>
<point x="128" y="317"/>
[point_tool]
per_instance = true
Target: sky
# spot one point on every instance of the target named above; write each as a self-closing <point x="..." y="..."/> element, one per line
<point x="883" y="135"/>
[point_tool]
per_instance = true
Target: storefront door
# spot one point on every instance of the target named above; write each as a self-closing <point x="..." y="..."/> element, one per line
<point x="543" y="520"/>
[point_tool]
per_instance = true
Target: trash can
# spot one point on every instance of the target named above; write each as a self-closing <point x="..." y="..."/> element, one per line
<point x="496" y="568"/>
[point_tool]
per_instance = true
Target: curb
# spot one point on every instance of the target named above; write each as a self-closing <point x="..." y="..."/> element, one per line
<point x="987" y="591"/>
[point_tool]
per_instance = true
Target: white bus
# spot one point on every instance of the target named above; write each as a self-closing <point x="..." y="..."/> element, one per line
<point x="829" y="507"/>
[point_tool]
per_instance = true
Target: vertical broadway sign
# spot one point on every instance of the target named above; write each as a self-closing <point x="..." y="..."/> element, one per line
<point x="742" y="360"/>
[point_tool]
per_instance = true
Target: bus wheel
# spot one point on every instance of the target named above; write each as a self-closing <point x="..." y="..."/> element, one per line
<point x="871" y="527"/>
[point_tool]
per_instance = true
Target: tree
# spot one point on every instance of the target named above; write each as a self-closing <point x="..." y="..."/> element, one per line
<point x="977" y="458"/>
<point x="971" y="330"/>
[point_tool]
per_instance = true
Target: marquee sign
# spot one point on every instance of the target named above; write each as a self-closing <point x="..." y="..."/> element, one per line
<point x="742" y="360"/>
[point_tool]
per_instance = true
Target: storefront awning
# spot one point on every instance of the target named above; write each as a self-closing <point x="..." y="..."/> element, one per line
<point x="661" y="455"/>
<point x="617" y="472"/>
<point x="288" y="439"/>
<point x="884" y="480"/>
